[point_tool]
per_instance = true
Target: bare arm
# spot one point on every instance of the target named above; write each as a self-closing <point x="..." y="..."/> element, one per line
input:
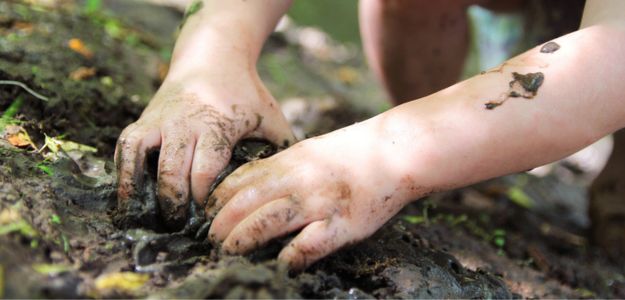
<point x="581" y="100"/>
<point x="341" y="187"/>
<point x="225" y="32"/>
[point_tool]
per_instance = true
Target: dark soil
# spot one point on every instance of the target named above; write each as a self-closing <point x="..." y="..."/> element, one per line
<point x="58" y="238"/>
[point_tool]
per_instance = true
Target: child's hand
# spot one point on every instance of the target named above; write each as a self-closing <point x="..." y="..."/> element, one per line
<point x="195" y="122"/>
<point x="338" y="188"/>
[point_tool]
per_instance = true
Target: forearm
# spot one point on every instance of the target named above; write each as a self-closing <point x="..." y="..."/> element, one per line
<point x="450" y="139"/>
<point x="215" y="33"/>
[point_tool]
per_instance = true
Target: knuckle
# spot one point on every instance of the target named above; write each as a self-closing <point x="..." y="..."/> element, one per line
<point x="232" y="214"/>
<point x="258" y="226"/>
<point x="128" y="140"/>
<point x="308" y="249"/>
<point x="219" y="201"/>
<point x="130" y="129"/>
<point x="202" y="177"/>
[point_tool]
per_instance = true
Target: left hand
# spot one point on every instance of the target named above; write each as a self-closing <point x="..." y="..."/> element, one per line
<point x="340" y="188"/>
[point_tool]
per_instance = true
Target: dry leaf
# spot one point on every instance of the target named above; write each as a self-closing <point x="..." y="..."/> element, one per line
<point x="78" y="46"/>
<point x="163" y="69"/>
<point x="82" y="73"/>
<point x="348" y="75"/>
<point x="122" y="281"/>
<point x="24" y="27"/>
<point x="18" y="137"/>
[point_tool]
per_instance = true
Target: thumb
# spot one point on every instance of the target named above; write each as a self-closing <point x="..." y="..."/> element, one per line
<point x="275" y="129"/>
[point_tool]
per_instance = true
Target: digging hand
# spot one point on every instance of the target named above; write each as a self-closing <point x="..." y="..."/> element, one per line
<point x="331" y="187"/>
<point x="195" y="124"/>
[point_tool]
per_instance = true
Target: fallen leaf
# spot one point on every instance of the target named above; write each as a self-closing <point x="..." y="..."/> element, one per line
<point x="73" y="146"/>
<point x="78" y="46"/>
<point x="348" y="75"/>
<point x="519" y="197"/>
<point x="24" y="27"/>
<point x="413" y="219"/>
<point x="54" y="144"/>
<point x="51" y="269"/>
<point x="122" y="281"/>
<point x="82" y="73"/>
<point x="12" y="222"/>
<point x="9" y="215"/>
<point x="18" y="137"/>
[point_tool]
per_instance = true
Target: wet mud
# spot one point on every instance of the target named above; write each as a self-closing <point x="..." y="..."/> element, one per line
<point x="522" y="86"/>
<point x="549" y="47"/>
<point x="62" y="234"/>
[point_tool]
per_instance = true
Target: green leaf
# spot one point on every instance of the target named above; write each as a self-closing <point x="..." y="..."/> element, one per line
<point x="92" y="6"/>
<point x="586" y="293"/>
<point x="499" y="232"/>
<point x="13" y="108"/>
<point x="499" y="241"/>
<point x="51" y="269"/>
<point x="519" y="197"/>
<point x="113" y="28"/>
<point x="20" y="226"/>
<point x="414" y="219"/>
<point x="9" y="113"/>
<point x="55" y="219"/>
<point x="54" y="144"/>
<point x="68" y="146"/>
<point x="65" y="243"/>
<point x="45" y="168"/>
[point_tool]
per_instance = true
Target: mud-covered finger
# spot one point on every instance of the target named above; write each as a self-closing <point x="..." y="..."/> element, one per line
<point x="274" y="219"/>
<point x="209" y="159"/>
<point x="244" y="175"/>
<point x="174" y="168"/>
<point x="131" y="151"/>
<point x="243" y="203"/>
<point x="317" y="240"/>
<point x="251" y="176"/>
<point x="278" y="132"/>
<point x="121" y="140"/>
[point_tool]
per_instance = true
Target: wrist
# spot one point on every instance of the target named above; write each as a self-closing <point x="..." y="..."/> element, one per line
<point x="211" y="50"/>
<point x="431" y="146"/>
<point x="407" y="145"/>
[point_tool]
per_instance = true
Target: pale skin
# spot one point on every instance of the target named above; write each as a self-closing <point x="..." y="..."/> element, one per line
<point x="339" y="188"/>
<point x="202" y="110"/>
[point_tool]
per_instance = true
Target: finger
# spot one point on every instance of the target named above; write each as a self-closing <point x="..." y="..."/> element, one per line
<point x="274" y="219"/>
<point x="121" y="141"/>
<point x="243" y="203"/>
<point x="243" y="176"/>
<point x="316" y="241"/>
<point x="208" y="162"/>
<point x="130" y="153"/>
<point x="278" y="131"/>
<point x="173" y="177"/>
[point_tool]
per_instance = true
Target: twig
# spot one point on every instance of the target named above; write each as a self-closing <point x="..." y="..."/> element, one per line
<point x="25" y="87"/>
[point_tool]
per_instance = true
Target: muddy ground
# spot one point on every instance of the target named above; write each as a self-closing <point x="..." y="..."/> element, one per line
<point x="92" y="72"/>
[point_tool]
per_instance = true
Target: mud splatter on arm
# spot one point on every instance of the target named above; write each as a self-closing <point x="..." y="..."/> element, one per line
<point x="550" y="47"/>
<point x="522" y="86"/>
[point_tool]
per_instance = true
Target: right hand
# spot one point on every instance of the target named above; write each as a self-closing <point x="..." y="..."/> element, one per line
<point x="196" y="120"/>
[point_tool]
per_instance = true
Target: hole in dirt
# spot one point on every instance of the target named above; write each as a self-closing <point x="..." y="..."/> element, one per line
<point x="406" y="238"/>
